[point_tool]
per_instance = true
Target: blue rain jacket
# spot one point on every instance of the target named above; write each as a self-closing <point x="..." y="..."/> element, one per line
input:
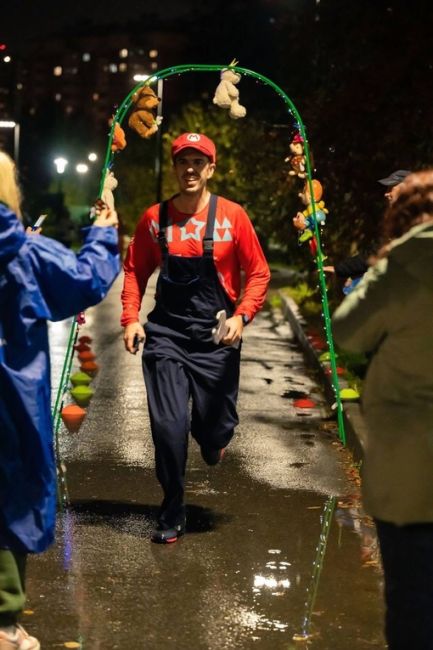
<point x="40" y="280"/>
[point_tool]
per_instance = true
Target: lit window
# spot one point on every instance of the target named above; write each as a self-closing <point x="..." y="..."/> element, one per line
<point x="74" y="70"/>
<point x="95" y="97"/>
<point x="69" y="110"/>
<point x="58" y="97"/>
<point x="123" y="67"/>
<point x="153" y="54"/>
<point x="154" y="65"/>
<point x="19" y="86"/>
<point x="123" y="53"/>
<point x="7" y="59"/>
<point x="86" y="56"/>
<point x="58" y="70"/>
<point x="112" y="67"/>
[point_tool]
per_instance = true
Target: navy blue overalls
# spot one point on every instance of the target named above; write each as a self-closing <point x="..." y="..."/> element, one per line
<point x="181" y="361"/>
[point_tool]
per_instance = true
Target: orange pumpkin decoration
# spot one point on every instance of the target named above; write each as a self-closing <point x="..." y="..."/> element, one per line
<point x="73" y="416"/>
<point x="86" y="355"/>
<point x="90" y="367"/>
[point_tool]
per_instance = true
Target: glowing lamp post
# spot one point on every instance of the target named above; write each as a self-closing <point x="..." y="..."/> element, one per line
<point x="10" y="124"/>
<point x="82" y="168"/>
<point x="61" y="164"/>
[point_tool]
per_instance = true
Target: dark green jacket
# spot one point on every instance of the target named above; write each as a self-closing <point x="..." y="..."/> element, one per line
<point x="390" y="315"/>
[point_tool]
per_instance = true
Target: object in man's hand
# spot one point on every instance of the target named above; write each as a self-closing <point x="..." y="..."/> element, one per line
<point x="220" y="330"/>
<point x="136" y="343"/>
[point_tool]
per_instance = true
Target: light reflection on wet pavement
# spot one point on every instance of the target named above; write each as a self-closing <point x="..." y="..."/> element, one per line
<point x="254" y="569"/>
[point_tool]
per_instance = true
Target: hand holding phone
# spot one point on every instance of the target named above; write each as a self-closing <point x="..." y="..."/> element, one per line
<point x="39" y="221"/>
<point x="133" y="336"/>
<point x="136" y="343"/>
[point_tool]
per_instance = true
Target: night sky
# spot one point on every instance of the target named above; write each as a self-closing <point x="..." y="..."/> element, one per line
<point x="359" y="71"/>
<point x="22" y="20"/>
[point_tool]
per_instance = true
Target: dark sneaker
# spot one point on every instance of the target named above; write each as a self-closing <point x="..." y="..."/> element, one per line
<point x="212" y="456"/>
<point x="164" y="535"/>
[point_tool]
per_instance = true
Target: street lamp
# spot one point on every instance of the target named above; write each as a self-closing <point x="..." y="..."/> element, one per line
<point x="82" y="168"/>
<point x="92" y="157"/>
<point x="10" y="124"/>
<point x="141" y="77"/>
<point x="61" y="164"/>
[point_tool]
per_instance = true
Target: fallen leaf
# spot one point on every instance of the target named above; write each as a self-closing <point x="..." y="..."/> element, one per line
<point x="72" y="644"/>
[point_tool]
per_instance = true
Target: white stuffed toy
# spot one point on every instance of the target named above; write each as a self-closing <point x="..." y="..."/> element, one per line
<point x="110" y="184"/>
<point x="227" y="95"/>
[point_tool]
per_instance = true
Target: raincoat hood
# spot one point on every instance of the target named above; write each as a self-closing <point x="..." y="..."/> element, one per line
<point x="414" y="252"/>
<point x="12" y="235"/>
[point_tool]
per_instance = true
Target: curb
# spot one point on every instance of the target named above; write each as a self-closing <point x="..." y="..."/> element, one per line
<point x="352" y="416"/>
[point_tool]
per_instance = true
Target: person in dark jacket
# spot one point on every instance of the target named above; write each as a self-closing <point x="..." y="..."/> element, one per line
<point x="40" y="280"/>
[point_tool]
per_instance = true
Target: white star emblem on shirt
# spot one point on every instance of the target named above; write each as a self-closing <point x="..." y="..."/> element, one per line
<point x="185" y="230"/>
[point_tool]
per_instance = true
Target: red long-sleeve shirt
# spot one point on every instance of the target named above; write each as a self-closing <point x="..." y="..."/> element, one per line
<point x="236" y="247"/>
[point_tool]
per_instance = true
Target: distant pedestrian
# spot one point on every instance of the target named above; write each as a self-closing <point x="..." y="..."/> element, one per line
<point x="351" y="269"/>
<point x="389" y="315"/>
<point x="201" y="243"/>
<point x="40" y="280"/>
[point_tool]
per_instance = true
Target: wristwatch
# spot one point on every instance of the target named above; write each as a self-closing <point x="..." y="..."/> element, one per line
<point x="245" y="319"/>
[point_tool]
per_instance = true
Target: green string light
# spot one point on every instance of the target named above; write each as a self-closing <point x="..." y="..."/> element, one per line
<point x="326" y="519"/>
<point x="62" y="486"/>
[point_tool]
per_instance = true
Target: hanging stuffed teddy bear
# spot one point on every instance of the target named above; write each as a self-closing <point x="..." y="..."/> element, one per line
<point x="297" y="157"/>
<point x="143" y="119"/>
<point x="304" y="221"/>
<point x="227" y="95"/>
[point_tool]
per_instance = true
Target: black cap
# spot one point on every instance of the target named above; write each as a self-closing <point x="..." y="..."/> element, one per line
<point x="395" y="178"/>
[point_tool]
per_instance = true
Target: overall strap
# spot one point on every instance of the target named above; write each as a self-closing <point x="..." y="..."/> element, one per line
<point x="208" y="236"/>
<point x="210" y="224"/>
<point x="163" y="220"/>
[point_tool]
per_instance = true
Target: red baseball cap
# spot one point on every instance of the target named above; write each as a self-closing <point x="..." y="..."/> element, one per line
<point x="194" y="141"/>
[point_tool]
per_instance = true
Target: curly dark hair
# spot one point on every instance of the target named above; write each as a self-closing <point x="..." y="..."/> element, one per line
<point x="414" y="204"/>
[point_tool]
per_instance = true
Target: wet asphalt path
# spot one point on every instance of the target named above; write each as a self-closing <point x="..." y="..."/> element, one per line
<point x="247" y="573"/>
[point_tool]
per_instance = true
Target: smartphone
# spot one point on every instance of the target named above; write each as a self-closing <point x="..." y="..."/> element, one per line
<point x="39" y="221"/>
<point x="136" y="343"/>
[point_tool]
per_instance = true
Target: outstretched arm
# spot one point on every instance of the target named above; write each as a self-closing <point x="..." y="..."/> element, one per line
<point x="70" y="283"/>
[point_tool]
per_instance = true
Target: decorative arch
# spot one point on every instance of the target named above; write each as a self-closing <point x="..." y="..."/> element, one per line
<point x="119" y="117"/>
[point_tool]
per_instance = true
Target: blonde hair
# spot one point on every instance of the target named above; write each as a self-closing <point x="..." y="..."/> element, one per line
<point x="9" y="191"/>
